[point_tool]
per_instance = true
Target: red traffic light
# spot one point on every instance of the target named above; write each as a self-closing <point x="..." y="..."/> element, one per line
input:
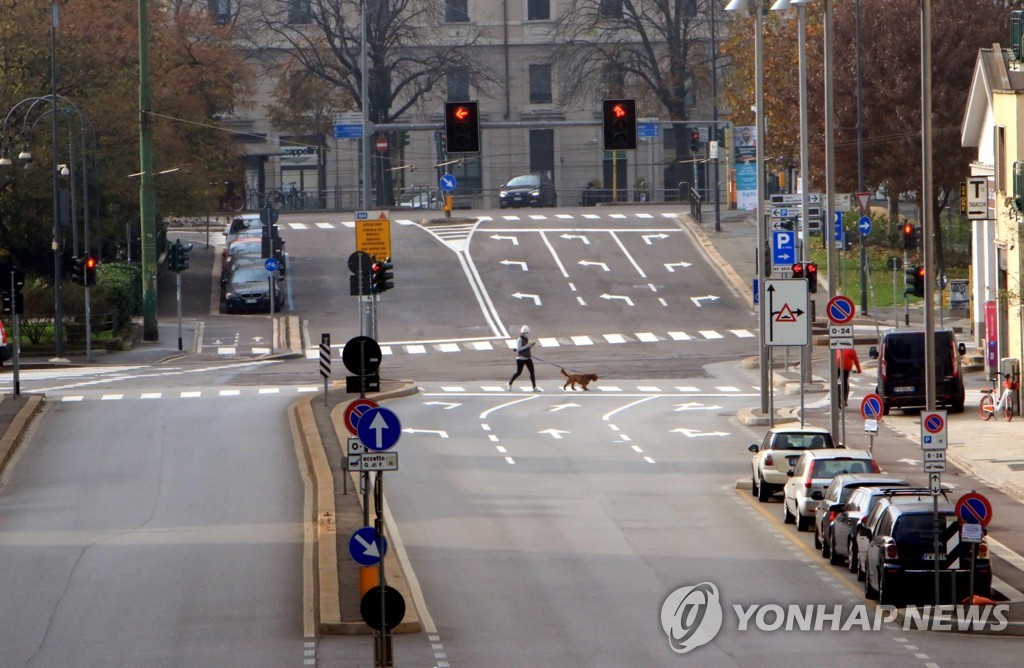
<point x="619" y="111"/>
<point x="461" y="113"/>
<point x="908" y="229"/>
<point x="90" y="262"/>
<point x="798" y="270"/>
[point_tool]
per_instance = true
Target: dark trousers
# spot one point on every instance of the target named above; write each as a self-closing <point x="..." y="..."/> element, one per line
<point x="844" y="380"/>
<point x="528" y="363"/>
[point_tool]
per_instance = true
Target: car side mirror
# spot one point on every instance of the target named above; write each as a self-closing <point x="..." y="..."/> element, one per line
<point x="873" y="352"/>
<point x="961" y="348"/>
<point x="817" y="495"/>
<point x="836" y="507"/>
<point x="752" y="447"/>
<point x="790" y="473"/>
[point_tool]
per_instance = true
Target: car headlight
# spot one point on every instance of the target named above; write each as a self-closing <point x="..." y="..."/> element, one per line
<point x="503" y="193"/>
<point x="535" y="193"/>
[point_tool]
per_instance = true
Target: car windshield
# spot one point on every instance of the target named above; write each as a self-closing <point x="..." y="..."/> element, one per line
<point x="249" y="275"/>
<point x="830" y="468"/>
<point x="798" y="441"/>
<point x="244" y="249"/>
<point x="520" y="181"/>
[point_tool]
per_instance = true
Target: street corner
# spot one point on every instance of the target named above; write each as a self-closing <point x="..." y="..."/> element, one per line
<point x="752" y="417"/>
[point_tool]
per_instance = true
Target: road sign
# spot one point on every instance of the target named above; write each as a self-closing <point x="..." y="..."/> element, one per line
<point x="935" y="483"/>
<point x="786" y="312"/>
<point x="840" y="239"/>
<point x="977" y="197"/>
<point x="934" y="461"/>
<point x="373" y="461"/>
<point x="795" y="198"/>
<point x="361" y="355"/>
<point x="348" y="125"/>
<point x="933" y="430"/>
<point x="864" y="200"/>
<point x="394" y="608"/>
<point x="379" y="428"/>
<point x="448" y="182"/>
<point x="647" y="127"/>
<point x="354" y="411"/>
<point x="840" y="310"/>
<point x="366" y="548"/>
<point x="871" y="406"/>
<point x="840" y="337"/>
<point x="864" y="225"/>
<point x="271" y="264"/>
<point x="373" y="236"/>
<point x="382" y="144"/>
<point x="974" y="508"/>
<point x="783" y="247"/>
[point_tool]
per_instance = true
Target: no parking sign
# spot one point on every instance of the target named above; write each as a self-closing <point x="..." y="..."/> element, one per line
<point x="933" y="430"/>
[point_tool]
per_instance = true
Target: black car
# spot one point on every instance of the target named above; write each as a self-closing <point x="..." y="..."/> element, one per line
<point x="833" y="502"/>
<point x="899" y="565"/>
<point x="527" y="190"/>
<point x="247" y="288"/>
<point x="901" y="382"/>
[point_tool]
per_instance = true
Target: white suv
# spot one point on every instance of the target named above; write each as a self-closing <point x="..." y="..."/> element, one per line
<point x="778" y="453"/>
<point x="814" y="471"/>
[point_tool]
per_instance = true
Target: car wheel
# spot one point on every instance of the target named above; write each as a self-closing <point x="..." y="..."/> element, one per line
<point x="887" y="592"/>
<point x="885" y="407"/>
<point x="817" y="540"/>
<point x="753" y="485"/>
<point x="803" y="523"/>
<point x="833" y="558"/>
<point x="851" y="559"/>
<point x="787" y="516"/>
<point x="870" y="592"/>
<point x="763" y="491"/>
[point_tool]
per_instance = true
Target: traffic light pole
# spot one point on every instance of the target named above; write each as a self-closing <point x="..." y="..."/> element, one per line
<point x="16" y="370"/>
<point x="177" y="280"/>
<point x="906" y="302"/>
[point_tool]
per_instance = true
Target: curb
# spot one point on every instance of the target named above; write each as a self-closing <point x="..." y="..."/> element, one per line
<point x="716" y="260"/>
<point x="11" y="438"/>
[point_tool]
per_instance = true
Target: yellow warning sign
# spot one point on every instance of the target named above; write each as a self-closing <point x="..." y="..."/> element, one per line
<point x="373" y="235"/>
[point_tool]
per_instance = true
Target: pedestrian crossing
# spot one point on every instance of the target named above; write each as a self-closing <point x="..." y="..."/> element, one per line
<point x="426" y="347"/>
<point x="220" y="393"/>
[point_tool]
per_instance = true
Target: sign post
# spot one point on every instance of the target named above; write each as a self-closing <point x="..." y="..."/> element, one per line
<point x="871" y="411"/>
<point x="933" y="439"/>
<point x="325" y="360"/>
<point x="974" y="512"/>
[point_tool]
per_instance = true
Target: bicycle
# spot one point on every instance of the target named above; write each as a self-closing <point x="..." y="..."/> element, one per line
<point x="988" y="406"/>
<point x="230" y="200"/>
<point x="296" y="199"/>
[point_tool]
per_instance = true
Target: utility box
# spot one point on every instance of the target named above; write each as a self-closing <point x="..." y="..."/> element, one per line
<point x="1010" y="366"/>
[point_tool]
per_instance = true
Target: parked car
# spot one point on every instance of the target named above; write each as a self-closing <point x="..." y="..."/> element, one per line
<point x="247" y="287"/>
<point x="901" y="370"/>
<point x="834" y="501"/>
<point x="778" y="453"/>
<point x="899" y="565"/>
<point x="863" y="500"/>
<point x="420" y="200"/>
<point x="527" y="190"/>
<point x="240" y="225"/>
<point x="251" y="248"/>
<point x="814" y="471"/>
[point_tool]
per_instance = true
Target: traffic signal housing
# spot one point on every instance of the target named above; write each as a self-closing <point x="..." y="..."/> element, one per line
<point x="361" y="266"/>
<point x="909" y="236"/>
<point x="798" y="270"/>
<point x="811" y="270"/>
<point x="694" y="140"/>
<point x="914" y="282"/>
<point x="619" y="120"/>
<point x="171" y="259"/>
<point x="183" y="251"/>
<point x="78" y="270"/>
<point x="462" y="127"/>
<point x="381" y="278"/>
<point x="90" y="263"/>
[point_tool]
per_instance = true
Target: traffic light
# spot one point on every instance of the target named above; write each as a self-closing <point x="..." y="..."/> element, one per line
<point x="798" y="270"/>
<point x="183" y="251"/>
<point x="382" y="276"/>
<point x="694" y="140"/>
<point x="89" y="263"/>
<point x="78" y="270"/>
<point x="171" y="259"/>
<point x="359" y="283"/>
<point x="914" y="282"/>
<point x="462" y="127"/>
<point x="811" y="269"/>
<point x="909" y="236"/>
<point x="19" y="303"/>
<point x="619" y="117"/>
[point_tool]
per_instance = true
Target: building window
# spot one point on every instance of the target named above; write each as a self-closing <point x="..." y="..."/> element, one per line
<point x="457" y="86"/>
<point x="299" y="12"/>
<point x="610" y="9"/>
<point x="456" y="11"/>
<point x="538" y="10"/>
<point x="540" y="84"/>
<point x="221" y="11"/>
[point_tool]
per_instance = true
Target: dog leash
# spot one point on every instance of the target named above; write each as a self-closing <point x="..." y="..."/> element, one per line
<point x="557" y="366"/>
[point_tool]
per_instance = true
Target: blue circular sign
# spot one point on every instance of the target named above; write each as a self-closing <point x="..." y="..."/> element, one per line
<point x="865" y="226"/>
<point x="271" y="264"/>
<point x="933" y="424"/>
<point x="448" y="182"/>
<point x="379" y="429"/>
<point x="840" y="309"/>
<point x="366" y="548"/>
<point x="871" y="406"/>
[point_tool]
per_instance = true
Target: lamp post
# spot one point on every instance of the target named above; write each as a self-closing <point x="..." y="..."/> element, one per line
<point x="763" y="359"/>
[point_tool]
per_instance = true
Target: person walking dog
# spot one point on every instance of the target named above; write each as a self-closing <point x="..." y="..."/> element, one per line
<point x="524" y="358"/>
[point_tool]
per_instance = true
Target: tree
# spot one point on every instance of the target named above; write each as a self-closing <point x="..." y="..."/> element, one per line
<point x="656" y="50"/>
<point x="409" y="51"/>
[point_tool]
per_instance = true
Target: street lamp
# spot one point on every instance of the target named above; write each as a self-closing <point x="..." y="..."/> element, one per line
<point x="758" y="6"/>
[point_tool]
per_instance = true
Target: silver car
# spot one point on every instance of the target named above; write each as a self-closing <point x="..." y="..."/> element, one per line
<point x="814" y="471"/>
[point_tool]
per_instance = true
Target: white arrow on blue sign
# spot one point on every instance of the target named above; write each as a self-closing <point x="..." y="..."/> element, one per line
<point x="839" y="226"/>
<point x="366" y="548"/>
<point x="783" y="247"/>
<point x="271" y="264"/>
<point x="379" y="428"/>
<point x="864" y="224"/>
<point x="448" y="182"/>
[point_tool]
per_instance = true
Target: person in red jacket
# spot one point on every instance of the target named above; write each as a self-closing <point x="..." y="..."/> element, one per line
<point x="846" y="361"/>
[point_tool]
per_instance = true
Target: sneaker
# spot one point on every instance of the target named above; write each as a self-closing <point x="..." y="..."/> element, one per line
<point x="508" y="387"/>
<point x="537" y="389"/>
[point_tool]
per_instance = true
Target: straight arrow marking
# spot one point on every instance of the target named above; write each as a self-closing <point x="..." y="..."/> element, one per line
<point x="554" y="433"/>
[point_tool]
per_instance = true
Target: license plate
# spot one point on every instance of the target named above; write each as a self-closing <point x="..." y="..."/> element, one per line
<point x="250" y="301"/>
<point x="903" y="388"/>
<point x="933" y="556"/>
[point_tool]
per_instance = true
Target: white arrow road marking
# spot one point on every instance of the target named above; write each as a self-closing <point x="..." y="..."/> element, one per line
<point x="648" y="237"/>
<point x="695" y="433"/>
<point x="669" y="265"/>
<point x="588" y="263"/>
<point x="556" y="433"/>
<point x="558" y="407"/>
<point x="438" y="432"/>
<point x="694" y="406"/>
<point x="698" y="300"/>
<point x="629" y="302"/>
<point x="907" y="460"/>
<point x="369" y="549"/>
<point x="581" y="237"/>
<point x="514" y="240"/>
<point x="447" y="406"/>
<point x="522" y="265"/>
<point x="535" y="298"/>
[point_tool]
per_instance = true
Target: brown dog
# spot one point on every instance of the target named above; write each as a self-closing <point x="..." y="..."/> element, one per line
<point x="583" y="379"/>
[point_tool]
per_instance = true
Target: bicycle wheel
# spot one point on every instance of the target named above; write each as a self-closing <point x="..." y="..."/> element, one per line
<point x="1008" y="406"/>
<point x="985" y="406"/>
<point x="236" y="201"/>
<point x="275" y="198"/>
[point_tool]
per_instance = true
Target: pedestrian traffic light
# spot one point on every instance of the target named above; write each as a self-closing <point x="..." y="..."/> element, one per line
<point x="78" y="270"/>
<point x="811" y="270"/>
<point x="909" y="236"/>
<point x="694" y="140"/>
<point x="619" y="118"/>
<point x="382" y="276"/>
<point x="798" y="270"/>
<point x="89" y="263"/>
<point x="462" y="127"/>
<point x="183" y="251"/>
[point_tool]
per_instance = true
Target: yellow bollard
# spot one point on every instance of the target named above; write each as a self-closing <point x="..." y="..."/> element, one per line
<point x="368" y="579"/>
<point x="448" y="199"/>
